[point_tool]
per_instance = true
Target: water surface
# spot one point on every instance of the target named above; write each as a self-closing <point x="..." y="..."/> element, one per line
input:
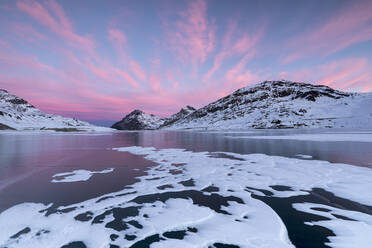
<point x="28" y="162"/>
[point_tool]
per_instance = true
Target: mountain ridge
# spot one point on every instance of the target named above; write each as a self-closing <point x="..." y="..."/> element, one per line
<point x="278" y="104"/>
<point x="18" y="114"/>
<point x="139" y="120"/>
<point x="266" y="105"/>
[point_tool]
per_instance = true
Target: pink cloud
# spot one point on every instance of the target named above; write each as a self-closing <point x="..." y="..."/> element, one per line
<point x="71" y="98"/>
<point x="217" y="62"/>
<point x="192" y="37"/>
<point x="117" y="37"/>
<point x="60" y="14"/>
<point x="343" y="74"/>
<point x="16" y="61"/>
<point x="351" y="74"/>
<point x="245" y="46"/>
<point x="137" y="70"/>
<point x="156" y="62"/>
<point x="349" y="26"/>
<point x="60" y="26"/>
<point x="28" y="33"/>
<point x="103" y="69"/>
<point x="127" y="78"/>
<point x="236" y="74"/>
<point x="155" y="82"/>
<point x="175" y="85"/>
<point x="100" y="72"/>
<point x="85" y="83"/>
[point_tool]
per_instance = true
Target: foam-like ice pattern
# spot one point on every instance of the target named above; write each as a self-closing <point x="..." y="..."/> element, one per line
<point x="201" y="196"/>
<point x="77" y="175"/>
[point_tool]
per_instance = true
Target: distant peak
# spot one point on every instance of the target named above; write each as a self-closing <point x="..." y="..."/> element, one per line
<point x="186" y="110"/>
<point x="136" y="112"/>
<point x="282" y="82"/>
<point x="270" y="84"/>
<point x="189" y="107"/>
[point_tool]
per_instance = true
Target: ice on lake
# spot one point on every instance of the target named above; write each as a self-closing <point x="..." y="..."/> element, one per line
<point x="188" y="197"/>
<point x="77" y="175"/>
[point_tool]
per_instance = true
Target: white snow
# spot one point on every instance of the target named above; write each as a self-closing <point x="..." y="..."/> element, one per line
<point x="349" y="233"/>
<point x="20" y="115"/>
<point x="347" y="181"/>
<point x="304" y="156"/>
<point x="261" y="228"/>
<point x="261" y="106"/>
<point x="151" y="121"/>
<point x="77" y="175"/>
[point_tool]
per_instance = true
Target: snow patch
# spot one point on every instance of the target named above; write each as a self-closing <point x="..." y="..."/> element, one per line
<point x="282" y="104"/>
<point x="77" y="175"/>
<point x="232" y="215"/>
<point x="304" y="156"/>
<point x="17" y="113"/>
<point x="352" y="229"/>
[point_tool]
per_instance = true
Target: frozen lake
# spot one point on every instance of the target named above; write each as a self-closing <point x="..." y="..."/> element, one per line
<point x="277" y="188"/>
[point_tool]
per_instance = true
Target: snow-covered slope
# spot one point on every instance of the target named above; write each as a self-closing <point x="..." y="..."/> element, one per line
<point x="180" y="115"/>
<point x="16" y="113"/>
<point x="138" y="120"/>
<point x="282" y="104"/>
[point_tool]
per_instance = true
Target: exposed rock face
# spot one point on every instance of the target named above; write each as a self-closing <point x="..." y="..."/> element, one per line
<point x="180" y="115"/>
<point x="139" y="120"/>
<point x="282" y="104"/>
<point x="5" y="127"/>
<point x="270" y="104"/>
<point x="17" y="113"/>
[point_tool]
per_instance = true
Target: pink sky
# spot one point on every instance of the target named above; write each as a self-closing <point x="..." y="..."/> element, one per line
<point x="102" y="59"/>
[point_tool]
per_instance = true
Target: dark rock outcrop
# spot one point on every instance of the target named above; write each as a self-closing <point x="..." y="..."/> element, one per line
<point x="139" y="120"/>
<point x="180" y="115"/>
<point x="270" y="104"/>
<point x="5" y="127"/>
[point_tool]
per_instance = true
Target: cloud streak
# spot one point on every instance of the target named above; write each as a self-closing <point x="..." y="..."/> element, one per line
<point x="102" y="66"/>
<point x="351" y="74"/>
<point x="192" y="36"/>
<point x="59" y="25"/>
<point x="350" y="25"/>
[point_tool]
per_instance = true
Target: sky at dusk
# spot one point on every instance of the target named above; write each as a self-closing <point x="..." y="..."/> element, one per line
<point x="99" y="60"/>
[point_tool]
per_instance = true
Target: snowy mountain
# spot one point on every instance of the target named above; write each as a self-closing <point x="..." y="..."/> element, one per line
<point x="16" y="113"/>
<point x="180" y="115"/>
<point x="139" y="120"/>
<point x="282" y="104"/>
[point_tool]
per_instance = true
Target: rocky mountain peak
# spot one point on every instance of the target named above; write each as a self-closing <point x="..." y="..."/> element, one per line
<point x="180" y="115"/>
<point x="17" y="113"/>
<point x="135" y="113"/>
<point x="186" y="110"/>
<point x="138" y="120"/>
<point x="276" y="104"/>
<point x="294" y="90"/>
<point x="269" y="104"/>
<point x="188" y="107"/>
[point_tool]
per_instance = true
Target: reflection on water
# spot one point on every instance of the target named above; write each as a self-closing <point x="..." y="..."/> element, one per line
<point x="28" y="161"/>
